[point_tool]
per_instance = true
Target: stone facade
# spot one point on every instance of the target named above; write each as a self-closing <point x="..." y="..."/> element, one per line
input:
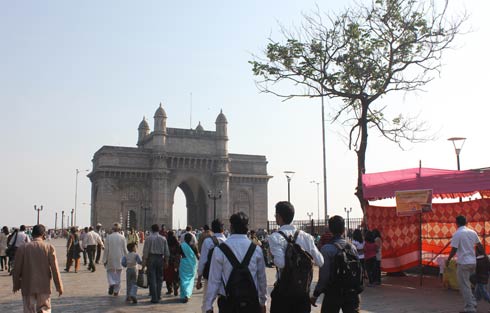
<point x="136" y="186"/>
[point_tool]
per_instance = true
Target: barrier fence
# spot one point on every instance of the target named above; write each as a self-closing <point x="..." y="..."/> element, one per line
<point x="316" y="226"/>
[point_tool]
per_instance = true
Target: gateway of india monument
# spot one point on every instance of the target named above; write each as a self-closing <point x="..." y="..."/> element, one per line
<point x="136" y="185"/>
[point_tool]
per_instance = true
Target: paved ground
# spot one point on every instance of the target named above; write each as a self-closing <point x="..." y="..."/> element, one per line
<point x="87" y="292"/>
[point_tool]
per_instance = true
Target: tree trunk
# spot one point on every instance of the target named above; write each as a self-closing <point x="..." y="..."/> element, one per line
<point x="361" y="155"/>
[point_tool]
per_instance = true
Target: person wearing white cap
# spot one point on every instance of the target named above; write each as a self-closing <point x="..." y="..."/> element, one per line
<point x="115" y="250"/>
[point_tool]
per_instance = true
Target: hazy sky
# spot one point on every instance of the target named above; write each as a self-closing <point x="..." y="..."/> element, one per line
<point x="75" y="76"/>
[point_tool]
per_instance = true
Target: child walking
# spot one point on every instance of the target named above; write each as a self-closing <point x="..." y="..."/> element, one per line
<point x="482" y="268"/>
<point x="130" y="261"/>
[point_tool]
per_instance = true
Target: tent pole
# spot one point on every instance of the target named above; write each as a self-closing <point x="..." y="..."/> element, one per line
<point x="420" y="250"/>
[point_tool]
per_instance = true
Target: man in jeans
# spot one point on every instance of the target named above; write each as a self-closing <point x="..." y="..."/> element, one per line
<point x="155" y="257"/>
<point x="463" y="244"/>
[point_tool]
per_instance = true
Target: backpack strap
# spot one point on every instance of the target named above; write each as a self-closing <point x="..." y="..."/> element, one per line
<point x="291" y="239"/>
<point x="295" y="237"/>
<point x="215" y="240"/>
<point x="229" y="255"/>
<point x="248" y="256"/>
<point x="232" y="258"/>
<point x="13" y="240"/>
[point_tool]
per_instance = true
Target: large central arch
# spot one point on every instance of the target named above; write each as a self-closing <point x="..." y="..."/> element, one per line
<point x="196" y="201"/>
<point x="140" y="183"/>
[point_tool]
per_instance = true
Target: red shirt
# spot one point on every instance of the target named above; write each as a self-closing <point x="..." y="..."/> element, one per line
<point x="369" y="250"/>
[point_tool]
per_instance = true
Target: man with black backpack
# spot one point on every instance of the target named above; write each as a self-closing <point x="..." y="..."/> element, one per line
<point x="341" y="278"/>
<point x="294" y="253"/>
<point x="208" y="246"/>
<point x="237" y="273"/>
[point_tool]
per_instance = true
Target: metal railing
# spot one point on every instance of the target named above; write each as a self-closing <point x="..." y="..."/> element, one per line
<point x="316" y="226"/>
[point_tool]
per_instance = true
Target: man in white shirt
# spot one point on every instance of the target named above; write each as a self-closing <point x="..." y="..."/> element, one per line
<point x="209" y="244"/>
<point x="221" y="267"/>
<point x="463" y="244"/>
<point x="19" y="238"/>
<point x="91" y="240"/>
<point x="188" y="229"/>
<point x="281" y="303"/>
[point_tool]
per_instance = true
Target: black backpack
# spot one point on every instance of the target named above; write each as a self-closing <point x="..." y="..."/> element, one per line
<point x="241" y="292"/>
<point x="297" y="274"/>
<point x="346" y="273"/>
<point x="205" y="272"/>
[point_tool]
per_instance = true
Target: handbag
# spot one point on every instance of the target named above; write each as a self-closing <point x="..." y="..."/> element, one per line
<point x="10" y="252"/>
<point x="11" y="248"/>
<point x="142" y="280"/>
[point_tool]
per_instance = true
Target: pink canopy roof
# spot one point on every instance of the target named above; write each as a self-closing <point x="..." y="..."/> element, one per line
<point x="444" y="183"/>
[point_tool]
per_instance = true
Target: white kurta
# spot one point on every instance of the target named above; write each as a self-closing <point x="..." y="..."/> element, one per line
<point x="115" y="249"/>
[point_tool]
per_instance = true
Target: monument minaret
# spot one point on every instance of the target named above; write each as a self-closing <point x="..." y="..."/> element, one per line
<point x="143" y="132"/>
<point x="222" y="135"/>
<point x="160" y="128"/>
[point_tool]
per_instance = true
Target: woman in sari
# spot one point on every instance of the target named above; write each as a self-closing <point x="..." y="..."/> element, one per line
<point x="187" y="268"/>
<point x="171" y="272"/>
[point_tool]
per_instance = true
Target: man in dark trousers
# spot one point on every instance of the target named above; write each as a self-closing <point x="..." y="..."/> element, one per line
<point x="221" y="268"/>
<point x="282" y="301"/>
<point x="155" y="258"/>
<point x="335" y="298"/>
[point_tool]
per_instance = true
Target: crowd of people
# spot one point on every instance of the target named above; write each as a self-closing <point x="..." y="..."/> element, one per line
<point x="228" y="265"/>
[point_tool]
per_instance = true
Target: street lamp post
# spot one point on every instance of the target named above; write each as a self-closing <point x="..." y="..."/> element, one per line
<point x="77" y="171"/>
<point x="214" y="196"/>
<point x="144" y="210"/>
<point x="458" y="143"/>
<point x="317" y="197"/>
<point x="72" y="211"/>
<point x="348" y="213"/>
<point x="55" y="221"/>
<point x="310" y="215"/>
<point x="324" y="158"/>
<point x="62" y="222"/>
<point x="38" y="209"/>
<point x="289" y="176"/>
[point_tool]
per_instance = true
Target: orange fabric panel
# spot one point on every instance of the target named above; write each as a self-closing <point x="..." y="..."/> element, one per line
<point x="401" y="234"/>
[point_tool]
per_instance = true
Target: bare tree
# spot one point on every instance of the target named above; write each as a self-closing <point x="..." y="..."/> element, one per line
<point x="359" y="56"/>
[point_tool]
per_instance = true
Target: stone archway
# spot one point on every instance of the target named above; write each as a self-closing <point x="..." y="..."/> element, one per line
<point x="196" y="202"/>
<point x="144" y="178"/>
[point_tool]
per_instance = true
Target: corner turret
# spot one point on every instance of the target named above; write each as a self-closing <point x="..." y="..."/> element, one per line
<point x="160" y="127"/>
<point x="222" y="134"/>
<point x="160" y="119"/>
<point x="199" y="128"/>
<point x="143" y="132"/>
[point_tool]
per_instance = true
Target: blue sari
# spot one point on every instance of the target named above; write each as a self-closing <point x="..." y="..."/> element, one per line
<point x="187" y="271"/>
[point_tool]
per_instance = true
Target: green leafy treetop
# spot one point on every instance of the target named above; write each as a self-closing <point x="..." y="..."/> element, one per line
<point x="359" y="56"/>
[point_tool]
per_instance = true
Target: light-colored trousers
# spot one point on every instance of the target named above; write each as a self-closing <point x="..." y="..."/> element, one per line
<point x="37" y="303"/>
<point x="463" y="272"/>
<point x="114" y="279"/>
<point x="204" y="290"/>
